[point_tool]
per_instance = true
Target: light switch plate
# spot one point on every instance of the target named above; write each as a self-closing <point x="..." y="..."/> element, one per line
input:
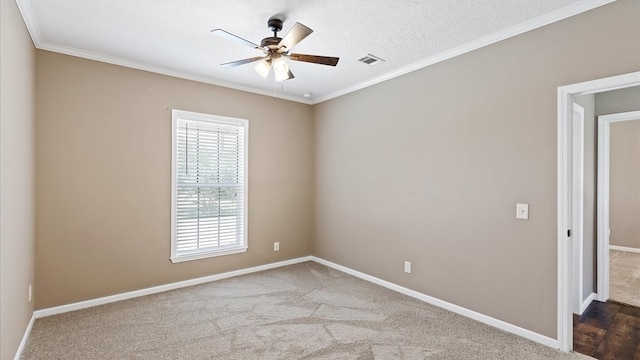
<point x="522" y="211"/>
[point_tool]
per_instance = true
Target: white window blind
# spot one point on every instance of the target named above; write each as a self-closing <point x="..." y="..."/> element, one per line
<point x="209" y="186"/>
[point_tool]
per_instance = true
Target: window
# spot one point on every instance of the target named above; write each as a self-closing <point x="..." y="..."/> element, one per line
<point x="209" y="186"/>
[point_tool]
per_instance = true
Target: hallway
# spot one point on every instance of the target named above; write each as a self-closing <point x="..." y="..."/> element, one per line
<point x="608" y="331"/>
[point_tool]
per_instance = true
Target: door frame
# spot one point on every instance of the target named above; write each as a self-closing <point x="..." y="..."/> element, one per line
<point x="604" y="142"/>
<point x="565" y="101"/>
<point x="577" y="207"/>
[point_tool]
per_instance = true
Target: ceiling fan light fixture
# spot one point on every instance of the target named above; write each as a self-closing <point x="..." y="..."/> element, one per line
<point x="280" y="69"/>
<point x="283" y="76"/>
<point x="263" y="68"/>
<point x="274" y="50"/>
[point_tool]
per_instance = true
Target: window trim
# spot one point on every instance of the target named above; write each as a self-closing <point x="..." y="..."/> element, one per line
<point x="228" y="250"/>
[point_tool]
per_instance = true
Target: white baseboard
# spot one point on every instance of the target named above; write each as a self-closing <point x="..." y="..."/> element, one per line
<point x="623" y="248"/>
<point x="162" y="288"/>
<point x="25" y="337"/>
<point x="528" y="334"/>
<point x="585" y="304"/>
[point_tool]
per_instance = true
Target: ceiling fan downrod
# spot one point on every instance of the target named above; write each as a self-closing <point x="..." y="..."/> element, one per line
<point x="275" y="25"/>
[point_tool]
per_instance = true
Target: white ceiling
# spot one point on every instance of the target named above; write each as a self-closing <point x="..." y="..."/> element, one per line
<point x="173" y="36"/>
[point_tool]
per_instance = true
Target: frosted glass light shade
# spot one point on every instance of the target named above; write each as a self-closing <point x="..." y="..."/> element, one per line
<point x="263" y="68"/>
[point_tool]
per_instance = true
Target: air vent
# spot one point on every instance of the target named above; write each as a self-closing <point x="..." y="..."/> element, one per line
<point x="371" y="60"/>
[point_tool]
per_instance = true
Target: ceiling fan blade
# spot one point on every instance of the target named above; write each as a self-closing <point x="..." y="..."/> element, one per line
<point x="294" y="36"/>
<point x="242" y="62"/>
<point x="323" y="60"/>
<point x="237" y="39"/>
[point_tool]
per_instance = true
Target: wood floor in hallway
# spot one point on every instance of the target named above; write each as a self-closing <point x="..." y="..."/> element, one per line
<point x="608" y="331"/>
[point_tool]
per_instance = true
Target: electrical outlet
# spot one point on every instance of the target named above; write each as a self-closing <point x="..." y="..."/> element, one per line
<point x="407" y="267"/>
<point x="276" y="246"/>
<point x="30" y="292"/>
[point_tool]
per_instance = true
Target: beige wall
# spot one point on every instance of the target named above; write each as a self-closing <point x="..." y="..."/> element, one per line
<point x="616" y="101"/>
<point x="17" y="177"/>
<point x="624" y="204"/>
<point x="624" y="207"/>
<point x="428" y="167"/>
<point x="103" y="178"/>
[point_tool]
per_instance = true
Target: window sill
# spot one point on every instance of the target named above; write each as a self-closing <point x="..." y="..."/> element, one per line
<point x="209" y="254"/>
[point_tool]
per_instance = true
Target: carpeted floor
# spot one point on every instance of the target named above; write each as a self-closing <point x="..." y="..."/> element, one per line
<point x="624" y="277"/>
<point x="304" y="311"/>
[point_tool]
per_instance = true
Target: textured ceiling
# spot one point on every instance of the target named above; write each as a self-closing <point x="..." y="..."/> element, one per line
<point x="173" y="36"/>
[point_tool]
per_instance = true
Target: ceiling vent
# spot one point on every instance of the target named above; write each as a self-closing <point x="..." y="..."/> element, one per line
<point x="371" y="60"/>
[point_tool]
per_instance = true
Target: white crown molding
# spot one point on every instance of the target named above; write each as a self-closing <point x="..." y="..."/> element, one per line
<point x="474" y="45"/>
<point x="30" y="21"/>
<point x="32" y="26"/>
<point x="161" y="70"/>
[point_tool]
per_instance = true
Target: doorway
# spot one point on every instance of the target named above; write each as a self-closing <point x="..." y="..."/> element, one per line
<point x="565" y="194"/>
<point x="604" y="198"/>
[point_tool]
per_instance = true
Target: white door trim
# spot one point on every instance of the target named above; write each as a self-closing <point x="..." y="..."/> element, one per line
<point x="604" y="129"/>
<point x="577" y="207"/>
<point x="565" y="101"/>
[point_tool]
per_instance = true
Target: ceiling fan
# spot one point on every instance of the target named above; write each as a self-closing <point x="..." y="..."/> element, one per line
<point x="275" y="49"/>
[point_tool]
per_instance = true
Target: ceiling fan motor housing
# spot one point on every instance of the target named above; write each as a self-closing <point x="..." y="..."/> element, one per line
<point x="270" y="42"/>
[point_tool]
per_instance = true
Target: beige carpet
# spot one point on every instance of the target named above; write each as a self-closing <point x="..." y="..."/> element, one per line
<point x="304" y="311"/>
<point x="624" y="277"/>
